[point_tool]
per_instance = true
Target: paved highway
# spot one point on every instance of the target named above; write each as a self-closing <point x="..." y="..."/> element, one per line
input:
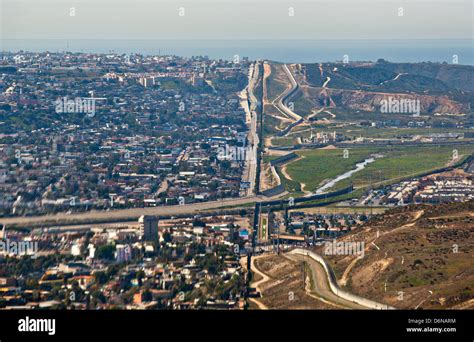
<point x="126" y="214"/>
<point x="247" y="96"/>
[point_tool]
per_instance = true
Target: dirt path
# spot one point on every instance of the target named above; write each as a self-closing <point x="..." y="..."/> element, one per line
<point x="257" y="284"/>
<point x="268" y="141"/>
<point x="454" y="160"/>
<point x="283" y="168"/>
<point x="286" y="174"/>
<point x="345" y="275"/>
<point x="451" y="216"/>
<point x="321" y="287"/>
<point x="469" y="304"/>
<point x="267" y="71"/>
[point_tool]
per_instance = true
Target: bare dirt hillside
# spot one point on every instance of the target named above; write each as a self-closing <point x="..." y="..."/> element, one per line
<point x="420" y="256"/>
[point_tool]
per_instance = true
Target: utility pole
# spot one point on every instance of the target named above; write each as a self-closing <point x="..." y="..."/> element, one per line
<point x="304" y="277"/>
<point x="278" y="241"/>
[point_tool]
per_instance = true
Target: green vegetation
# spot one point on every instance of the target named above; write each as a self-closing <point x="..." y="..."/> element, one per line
<point x="395" y="163"/>
<point x="232" y="84"/>
<point x="417" y="77"/>
<point x="105" y="252"/>
<point x="283" y="141"/>
<point x="290" y="185"/>
<point x="302" y="105"/>
<point x="270" y="124"/>
<point x="403" y="162"/>
<point x="319" y="165"/>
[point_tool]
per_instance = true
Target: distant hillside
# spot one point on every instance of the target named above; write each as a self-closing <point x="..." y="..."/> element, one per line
<point x="414" y="77"/>
<point x="371" y="101"/>
<point x="441" y="88"/>
<point x="453" y="75"/>
<point x="423" y="257"/>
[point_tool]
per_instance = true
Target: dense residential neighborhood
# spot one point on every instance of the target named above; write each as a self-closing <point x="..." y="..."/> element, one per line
<point x="103" y="131"/>
<point x="172" y="264"/>
<point x="152" y="182"/>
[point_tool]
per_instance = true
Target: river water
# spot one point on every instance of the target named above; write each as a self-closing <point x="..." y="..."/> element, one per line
<point x="359" y="167"/>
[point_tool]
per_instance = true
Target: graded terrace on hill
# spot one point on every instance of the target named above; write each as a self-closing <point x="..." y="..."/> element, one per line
<point x="339" y="92"/>
<point x="417" y="77"/>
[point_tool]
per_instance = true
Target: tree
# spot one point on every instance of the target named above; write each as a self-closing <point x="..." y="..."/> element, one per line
<point x="105" y="252"/>
<point x="147" y="296"/>
<point x="167" y="237"/>
<point x="140" y="276"/>
<point x="100" y="277"/>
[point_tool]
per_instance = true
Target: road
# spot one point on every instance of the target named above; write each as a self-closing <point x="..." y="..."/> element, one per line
<point x="288" y="92"/>
<point x="126" y="214"/>
<point x="324" y="281"/>
<point x="248" y="195"/>
<point x="394" y="79"/>
<point x="247" y="95"/>
<point x="325" y="84"/>
<point x="257" y="284"/>
<point x="320" y="284"/>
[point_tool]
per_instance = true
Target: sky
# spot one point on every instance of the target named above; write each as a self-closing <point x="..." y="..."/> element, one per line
<point x="231" y="19"/>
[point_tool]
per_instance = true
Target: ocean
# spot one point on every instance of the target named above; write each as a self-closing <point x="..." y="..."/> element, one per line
<point x="287" y="51"/>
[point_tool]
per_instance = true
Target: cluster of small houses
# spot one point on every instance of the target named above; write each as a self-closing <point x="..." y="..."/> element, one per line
<point x="115" y="162"/>
<point x="323" y="226"/>
<point x="134" y="253"/>
<point x="432" y="189"/>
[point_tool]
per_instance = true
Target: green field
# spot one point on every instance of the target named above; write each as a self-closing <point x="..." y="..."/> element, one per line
<point x="319" y="166"/>
<point x="284" y="141"/>
<point x="302" y="105"/>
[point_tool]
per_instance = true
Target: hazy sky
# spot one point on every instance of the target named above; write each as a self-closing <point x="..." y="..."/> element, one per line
<point x="231" y="19"/>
